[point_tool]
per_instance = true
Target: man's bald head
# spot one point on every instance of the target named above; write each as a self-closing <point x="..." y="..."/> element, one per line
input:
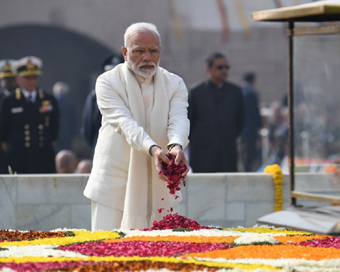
<point x="84" y="167"/>
<point x="65" y="162"/>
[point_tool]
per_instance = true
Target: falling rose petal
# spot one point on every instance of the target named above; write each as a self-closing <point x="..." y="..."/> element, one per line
<point x="160" y="210"/>
<point x="171" y="209"/>
<point x="176" y="197"/>
<point x="162" y="199"/>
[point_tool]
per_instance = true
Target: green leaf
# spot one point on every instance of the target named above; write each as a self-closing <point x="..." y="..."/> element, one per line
<point x="181" y="229"/>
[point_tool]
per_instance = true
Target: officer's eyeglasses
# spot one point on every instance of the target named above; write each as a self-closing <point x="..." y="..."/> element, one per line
<point x="140" y="51"/>
<point x="221" y="67"/>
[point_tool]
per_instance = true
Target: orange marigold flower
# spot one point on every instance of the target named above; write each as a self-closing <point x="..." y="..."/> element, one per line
<point x="332" y="169"/>
<point x="270" y="252"/>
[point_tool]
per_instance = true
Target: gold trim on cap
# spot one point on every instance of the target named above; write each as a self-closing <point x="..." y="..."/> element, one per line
<point x="30" y="73"/>
<point x="7" y="74"/>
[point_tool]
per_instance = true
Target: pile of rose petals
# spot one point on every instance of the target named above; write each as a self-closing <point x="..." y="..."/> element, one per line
<point x="175" y="221"/>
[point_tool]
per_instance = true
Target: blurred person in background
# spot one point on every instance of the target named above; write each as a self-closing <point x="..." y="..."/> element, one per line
<point x="7" y="78"/>
<point x="29" y="122"/>
<point x="216" y="114"/>
<point x="92" y="118"/>
<point x="8" y="86"/>
<point x="278" y="133"/>
<point x="66" y="162"/>
<point x="250" y="153"/>
<point x="84" y="167"/>
<point x="68" y="119"/>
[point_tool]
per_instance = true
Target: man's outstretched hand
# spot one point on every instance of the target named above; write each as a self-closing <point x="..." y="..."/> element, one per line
<point x="180" y="158"/>
<point x="160" y="157"/>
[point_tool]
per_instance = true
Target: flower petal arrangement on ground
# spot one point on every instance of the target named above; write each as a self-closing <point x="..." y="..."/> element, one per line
<point x="175" y="243"/>
<point x="194" y="248"/>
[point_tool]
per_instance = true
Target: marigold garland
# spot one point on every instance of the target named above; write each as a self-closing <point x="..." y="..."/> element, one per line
<point x="278" y="181"/>
<point x="332" y="169"/>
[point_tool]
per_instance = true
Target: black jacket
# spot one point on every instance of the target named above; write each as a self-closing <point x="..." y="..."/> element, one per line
<point x="91" y="121"/>
<point x="216" y="120"/>
<point x="28" y="132"/>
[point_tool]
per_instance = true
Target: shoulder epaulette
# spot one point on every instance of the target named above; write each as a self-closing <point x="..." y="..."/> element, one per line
<point x="41" y="94"/>
<point x="17" y="93"/>
<point x="4" y="146"/>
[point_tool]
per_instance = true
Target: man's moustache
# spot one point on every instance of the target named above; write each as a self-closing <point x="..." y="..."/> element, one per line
<point x="149" y="63"/>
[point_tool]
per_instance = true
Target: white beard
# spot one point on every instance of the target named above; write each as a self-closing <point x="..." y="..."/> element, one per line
<point x="140" y="71"/>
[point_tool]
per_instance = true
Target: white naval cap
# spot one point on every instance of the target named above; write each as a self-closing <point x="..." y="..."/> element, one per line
<point x="28" y="66"/>
<point x="6" y="68"/>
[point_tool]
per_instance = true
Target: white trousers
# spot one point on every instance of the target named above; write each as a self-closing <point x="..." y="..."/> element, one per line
<point x="104" y="218"/>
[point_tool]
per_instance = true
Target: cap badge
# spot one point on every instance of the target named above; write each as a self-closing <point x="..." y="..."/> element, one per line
<point x="7" y="67"/>
<point x="30" y="65"/>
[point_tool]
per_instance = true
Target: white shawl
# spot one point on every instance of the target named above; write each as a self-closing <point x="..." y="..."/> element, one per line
<point x="135" y="205"/>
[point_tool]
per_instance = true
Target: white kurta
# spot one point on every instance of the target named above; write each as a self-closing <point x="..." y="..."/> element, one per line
<point x="119" y="177"/>
<point x="147" y="87"/>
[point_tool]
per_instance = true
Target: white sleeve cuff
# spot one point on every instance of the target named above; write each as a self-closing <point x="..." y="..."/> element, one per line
<point x="146" y="145"/>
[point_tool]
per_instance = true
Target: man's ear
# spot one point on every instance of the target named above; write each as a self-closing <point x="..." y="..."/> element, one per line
<point x="124" y="52"/>
<point x="207" y="69"/>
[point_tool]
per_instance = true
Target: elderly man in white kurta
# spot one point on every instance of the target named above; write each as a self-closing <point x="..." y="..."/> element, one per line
<point x="144" y="109"/>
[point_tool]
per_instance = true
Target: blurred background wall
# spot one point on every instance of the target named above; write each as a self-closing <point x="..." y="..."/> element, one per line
<point x="73" y="37"/>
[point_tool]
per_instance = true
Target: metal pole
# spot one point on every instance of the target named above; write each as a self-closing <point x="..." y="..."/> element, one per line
<point x="291" y="109"/>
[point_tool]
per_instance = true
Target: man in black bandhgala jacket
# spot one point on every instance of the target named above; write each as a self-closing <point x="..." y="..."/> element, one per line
<point x="216" y="113"/>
